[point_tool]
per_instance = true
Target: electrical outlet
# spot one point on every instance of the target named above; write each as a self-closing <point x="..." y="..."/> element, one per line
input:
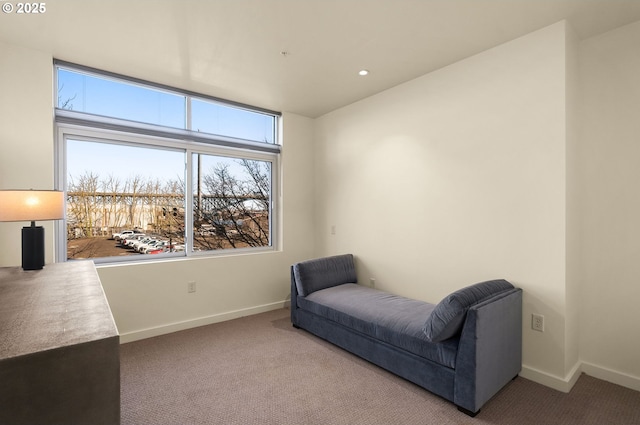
<point x="372" y="282"/>
<point x="537" y="322"/>
<point x="191" y="286"/>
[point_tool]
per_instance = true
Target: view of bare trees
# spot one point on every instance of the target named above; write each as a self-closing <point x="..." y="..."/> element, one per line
<point x="235" y="210"/>
<point x="230" y="208"/>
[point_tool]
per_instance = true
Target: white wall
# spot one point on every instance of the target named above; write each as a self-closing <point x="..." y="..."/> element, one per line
<point x="152" y="298"/>
<point x="572" y="322"/>
<point x="26" y="136"/>
<point x="610" y="205"/>
<point x="457" y="177"/>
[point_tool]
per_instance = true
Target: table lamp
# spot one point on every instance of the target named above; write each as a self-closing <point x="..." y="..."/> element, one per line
<point x="32" y="205"/>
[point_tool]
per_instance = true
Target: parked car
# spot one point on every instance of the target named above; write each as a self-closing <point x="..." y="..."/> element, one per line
<point x="124" y="233"/>
<point x="117" y="236"/>
<point x="143" y="247"/>
<point x="136" y="244"/>
<point x="129" y="239"/>
<point x="153" y="246"/>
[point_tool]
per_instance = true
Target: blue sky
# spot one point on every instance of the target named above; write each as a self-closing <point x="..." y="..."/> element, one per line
<point x="123" y="161"/>
<point x="103" y="96"/>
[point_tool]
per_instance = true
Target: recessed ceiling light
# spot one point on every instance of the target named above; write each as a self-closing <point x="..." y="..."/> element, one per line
<point x="363" y="72"/>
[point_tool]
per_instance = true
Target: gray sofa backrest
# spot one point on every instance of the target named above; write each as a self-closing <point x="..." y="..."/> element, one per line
<point x="321" y="273"/>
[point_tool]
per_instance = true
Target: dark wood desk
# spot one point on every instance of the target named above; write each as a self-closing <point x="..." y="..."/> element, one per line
<point x="59" y="347"/>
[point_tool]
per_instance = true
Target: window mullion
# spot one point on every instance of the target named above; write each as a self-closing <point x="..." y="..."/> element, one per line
<point x="188" y="123"/>
<point x="188" y="204"/>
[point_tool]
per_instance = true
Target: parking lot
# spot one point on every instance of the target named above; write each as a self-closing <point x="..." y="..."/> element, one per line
<point x="206" y="238"/>
<point x="95" y="247"/>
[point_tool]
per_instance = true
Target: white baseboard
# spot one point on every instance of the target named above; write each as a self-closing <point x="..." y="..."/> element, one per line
<point x="615" y="377"/>
<point x="201" y="321"/>
<point x="552" y="381"/>
<point x="565" y="384"/>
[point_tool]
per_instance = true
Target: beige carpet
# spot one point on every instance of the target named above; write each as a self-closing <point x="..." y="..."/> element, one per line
<point x="260" y="370"/>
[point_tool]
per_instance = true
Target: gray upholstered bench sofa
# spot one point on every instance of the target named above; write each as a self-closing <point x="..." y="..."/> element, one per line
<point x="465" y="349"/>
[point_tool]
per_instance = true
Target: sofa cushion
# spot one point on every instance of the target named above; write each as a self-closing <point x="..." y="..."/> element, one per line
<point x="396" y="320"/>
<point x="321" y="273"/>
<point x="447" y="318"/>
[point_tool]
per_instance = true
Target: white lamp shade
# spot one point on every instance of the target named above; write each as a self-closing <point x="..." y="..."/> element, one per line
<point x="31" y="205"/>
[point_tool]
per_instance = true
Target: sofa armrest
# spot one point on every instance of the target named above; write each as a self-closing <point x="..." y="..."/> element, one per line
<point x="490" y="350"/>
<point x="294" y="300"/>
<point x="314" y="275"/>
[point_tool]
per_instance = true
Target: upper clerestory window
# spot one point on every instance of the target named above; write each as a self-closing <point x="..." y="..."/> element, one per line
<point x="116" y="97"/>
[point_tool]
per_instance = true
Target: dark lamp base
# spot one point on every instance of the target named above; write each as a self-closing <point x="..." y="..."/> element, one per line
<point x="32" y="247"/>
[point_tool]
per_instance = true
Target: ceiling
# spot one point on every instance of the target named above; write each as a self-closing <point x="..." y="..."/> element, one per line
<point x="233" y="49"/>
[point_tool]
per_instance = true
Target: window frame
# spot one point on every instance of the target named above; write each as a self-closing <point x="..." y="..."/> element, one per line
<point x="94" y="128"/>
<point x="188" y="94"/>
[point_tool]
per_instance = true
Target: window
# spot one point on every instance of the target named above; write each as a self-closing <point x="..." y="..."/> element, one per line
<point x="152" y="172"/>
<point x="119" y="99"/>
<point x="231" y="202"/>
<point x="212" y="118"/>
<point x="114" y="187"/>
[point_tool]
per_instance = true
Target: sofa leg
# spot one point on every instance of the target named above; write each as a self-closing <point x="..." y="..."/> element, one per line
<point x="295" y="326"/>
<point x="468" y="412"/>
